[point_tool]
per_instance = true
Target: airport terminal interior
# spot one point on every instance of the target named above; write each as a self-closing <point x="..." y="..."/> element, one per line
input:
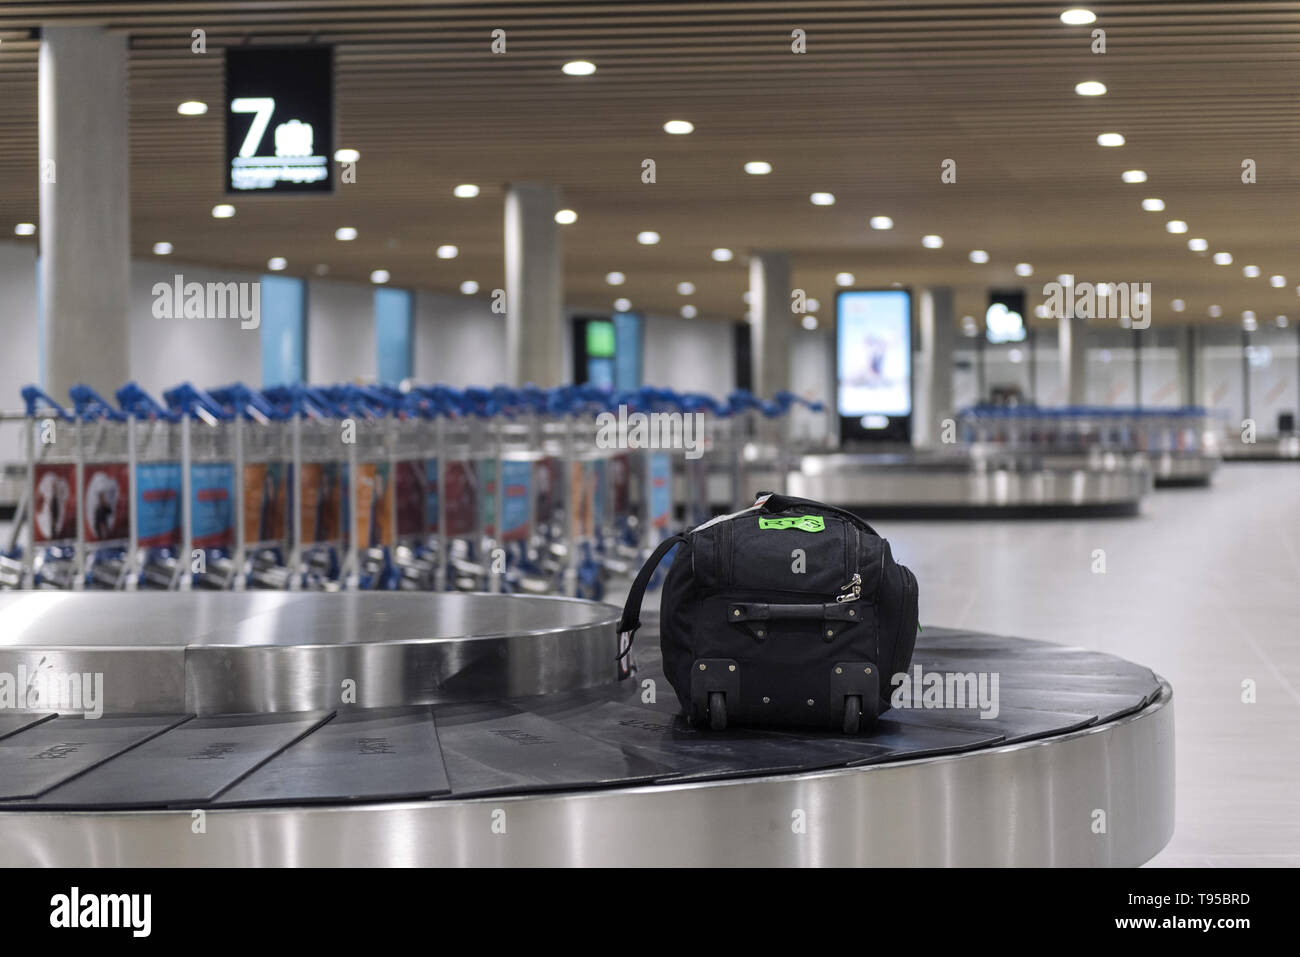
<point x="587" y="434"/>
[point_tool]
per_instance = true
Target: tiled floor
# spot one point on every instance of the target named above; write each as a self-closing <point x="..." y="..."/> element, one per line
<point x="1204" y="588"/>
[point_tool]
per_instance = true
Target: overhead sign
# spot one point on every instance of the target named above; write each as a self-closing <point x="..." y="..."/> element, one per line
<point x="1004" y="321"/>
<point x="279" y="120"/>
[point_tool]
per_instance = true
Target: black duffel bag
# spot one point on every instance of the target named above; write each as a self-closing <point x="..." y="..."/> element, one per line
<point x="790" y="612"/>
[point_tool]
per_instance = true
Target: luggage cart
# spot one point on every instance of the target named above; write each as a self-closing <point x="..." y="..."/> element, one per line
<point x="157" y="482"/>
<point x="210" y="473"/>
<point x="105" y="490"/>
<point x="261" y="459"/>
<point x="54" y="543"/>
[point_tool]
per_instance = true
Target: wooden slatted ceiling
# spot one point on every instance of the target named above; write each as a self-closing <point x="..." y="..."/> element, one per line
<point x="886" y="91"/>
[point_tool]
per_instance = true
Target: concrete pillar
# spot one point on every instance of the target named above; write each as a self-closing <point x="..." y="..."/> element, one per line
<point x="932" y="393"/>
<point x="1190" y="375"/>
<point x="771" y="322"/>
<point x="1073" y="347"/>
<point x="536" y="337"/>
<point x="85" y="227"/>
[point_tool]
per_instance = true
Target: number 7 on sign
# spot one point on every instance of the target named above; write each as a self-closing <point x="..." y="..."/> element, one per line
<point x="262" y="107"/>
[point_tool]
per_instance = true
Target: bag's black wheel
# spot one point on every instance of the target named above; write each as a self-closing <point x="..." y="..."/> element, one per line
<point x="852" y="713"/>
<point x="717" y="710"/>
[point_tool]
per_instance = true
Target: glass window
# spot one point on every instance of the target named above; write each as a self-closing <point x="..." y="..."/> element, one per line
<point x="1221" y="360"/>
<point x="1110" y="368"/>
<point x="1160" y="368"/>
<point x="1273" y="360"/>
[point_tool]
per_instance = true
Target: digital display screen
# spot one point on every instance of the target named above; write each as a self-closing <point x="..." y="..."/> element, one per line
<point x="874" y="354"/>
<point x="279" y="120"/>
<point x="600" y="339"/>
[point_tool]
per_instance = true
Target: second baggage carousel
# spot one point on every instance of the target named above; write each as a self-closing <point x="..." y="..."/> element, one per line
<point x="380" y="737"/>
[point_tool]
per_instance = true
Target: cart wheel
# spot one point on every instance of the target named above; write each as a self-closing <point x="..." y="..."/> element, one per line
<point x="852" y="713"/>
<point x="717" y="710"/>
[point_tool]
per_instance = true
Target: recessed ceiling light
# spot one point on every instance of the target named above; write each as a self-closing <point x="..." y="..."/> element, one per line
<point x="345" y="233"/>
<point x="1250" y="272"/>
<point x="809" y="322"/>
<point x="688" y="311"/>
<point x="579" y="68"/>
<point x="812" y="305"/>
<point x="276" y="263"/>
<point x="346" y="156"/>
<point x="469" y="287"/>
<point x="647" y="237"/>
<point x="465" y="191"/>
<point x="448" y="252"/>
<point x="1176" y="226"/>
<point x="932" y="241"/>
<point x="615" y="278"/>
<point x="822" y="199"/>
<point x="1078" y="17"/>
<point x="1198" y="245"/>
<point x="1110" y="139"/>
<point x="1215" y="312"/>
<point x="1024" y="269"/>
<point x="679" y="127"/>
<point x="1178" y="305"/>
<point x="1153" y="205"/>
<point x="566" y="217"/>
<point x="1134" y="176"/>
<point x="1223" y="259"/>
<point x="622" y="305"/>
<point x="25" y="229"/>
<point x="1090" y="88"/>
<point x="1281" y="322"/>
<point x="881" y="222"/>
<point x="192" y="108"/>
<point x="322" y="269"/>
<point x="1066" y="279"/>
<point x="844" y="279"/>
<point x="162" y="249"/>
<point x="685" y="288"/>
<point x="979" y="256"/>
<point x="223" y="211"/>
<point x="721" y="255"/>
<point x="379" y="277"/>
<point x="1277" y="282"/>
<point x="758" y="167"/>
<point x="1248" y="321"/>
<point x="1103" y="289"/>
<point x="748" y="297"/>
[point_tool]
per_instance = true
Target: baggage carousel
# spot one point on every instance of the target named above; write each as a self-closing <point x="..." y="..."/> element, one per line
<point x="465" y="729"/>
<point x="959" y="484"/>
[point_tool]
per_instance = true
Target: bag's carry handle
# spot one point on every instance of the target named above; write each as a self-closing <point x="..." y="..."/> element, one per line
<point x="631" y="620"/>
<point x="774" y="502"/>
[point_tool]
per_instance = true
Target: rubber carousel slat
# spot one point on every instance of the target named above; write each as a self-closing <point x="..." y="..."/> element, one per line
<point x="358" y="756"/>
<point x="52" y="752"/>
<point x="188" y="766"/>
<point x="11" y="723"/>
<point x="497" y="749"/>
<point x="1011" y="723"/>
<point x="695" y="753"/>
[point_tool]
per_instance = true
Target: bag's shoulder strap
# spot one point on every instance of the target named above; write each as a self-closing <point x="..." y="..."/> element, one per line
<point x="631" y="620"/>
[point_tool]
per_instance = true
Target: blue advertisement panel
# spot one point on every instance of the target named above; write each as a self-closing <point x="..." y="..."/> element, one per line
<point x="158" y="504"/>
<point x="515" y="498"/>
<point x="212" y="504"/>
<point x="661" y="478"/>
